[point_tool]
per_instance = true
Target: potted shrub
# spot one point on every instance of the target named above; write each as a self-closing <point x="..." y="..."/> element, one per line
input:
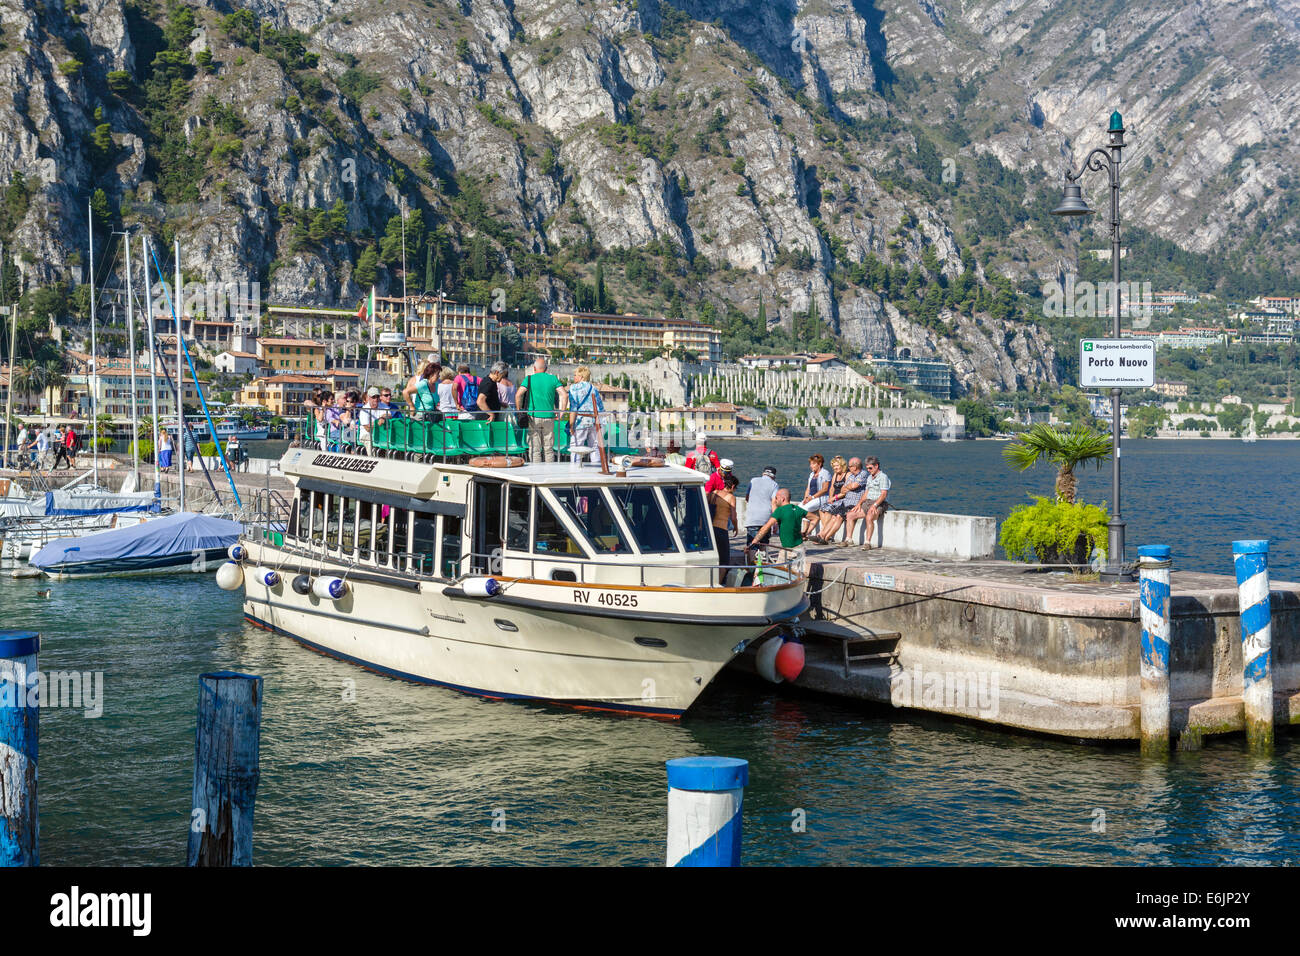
<point x="1060" y="530"/>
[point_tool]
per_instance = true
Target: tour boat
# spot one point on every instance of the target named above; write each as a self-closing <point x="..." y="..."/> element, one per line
<point x="556" y="582"/>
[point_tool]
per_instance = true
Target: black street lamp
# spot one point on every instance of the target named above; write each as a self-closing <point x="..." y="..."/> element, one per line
<point x="1072" y="204"/>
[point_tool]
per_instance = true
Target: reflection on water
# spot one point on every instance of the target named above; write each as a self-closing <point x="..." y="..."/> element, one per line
<point x="406" y="774"/>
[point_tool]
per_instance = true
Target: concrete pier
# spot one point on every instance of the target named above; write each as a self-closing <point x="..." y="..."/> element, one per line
<point x="1017" y="647"/>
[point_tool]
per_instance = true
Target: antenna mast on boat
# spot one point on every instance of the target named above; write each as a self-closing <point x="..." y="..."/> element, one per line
<point x="153" y="367"/>
<point x="94" y="354"/>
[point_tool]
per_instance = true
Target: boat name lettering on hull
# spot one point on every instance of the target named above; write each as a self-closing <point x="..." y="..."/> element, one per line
<point x="345" y="462"/>
<point x="607" y="598"/>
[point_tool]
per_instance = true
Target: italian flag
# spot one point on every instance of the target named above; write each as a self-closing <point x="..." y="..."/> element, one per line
<point x="367" y="308"/>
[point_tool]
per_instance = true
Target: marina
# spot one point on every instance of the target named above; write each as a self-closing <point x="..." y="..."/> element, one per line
<point x="874" y="782"/>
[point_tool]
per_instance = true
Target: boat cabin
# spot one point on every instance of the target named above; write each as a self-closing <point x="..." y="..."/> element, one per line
<point x="552" y="522"/>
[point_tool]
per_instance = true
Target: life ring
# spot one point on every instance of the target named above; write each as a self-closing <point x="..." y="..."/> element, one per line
<point x="496" y="461"/>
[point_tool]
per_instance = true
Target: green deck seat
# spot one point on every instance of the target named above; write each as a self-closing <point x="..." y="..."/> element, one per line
<point x="561" y="437"/>
<point x="507" y="439"/>
<point x="381" y="435"/>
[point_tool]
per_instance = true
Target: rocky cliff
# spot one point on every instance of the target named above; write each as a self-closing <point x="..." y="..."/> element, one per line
<point x="884" y="167"/>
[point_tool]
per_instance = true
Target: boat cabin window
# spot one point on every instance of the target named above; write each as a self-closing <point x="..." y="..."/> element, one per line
<point x="687" y="511"/>
<point x="645" y="516"/>
<point x="590" y="510"/>
<point x="401" y="519"/>
<point x="552" y="537"/>
<point x="299" y="515"/>
<point x="518" y="501"/>
<point x="451" y="528"/>
<point x="426" y="540"/>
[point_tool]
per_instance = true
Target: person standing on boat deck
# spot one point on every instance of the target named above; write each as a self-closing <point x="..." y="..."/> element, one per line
<point x="447" y="394"/>
<point x="539" y="396"/>
<point x="703" y="459"/>
<point x="371" y="414"/>
<point x="758" y="504"/>
<point x="60" y="448"/>
<point x="506" y="390"/>
<point x="468" y="385"/>
<point x="584" y="429"/>
<point x="787" y="519"/>
<point x="419" y="391"/>
<point x="165" y="451"/>
<point x="717" y="479"/>
<point x="489" y="396"/>
<point x="724" y="516"/>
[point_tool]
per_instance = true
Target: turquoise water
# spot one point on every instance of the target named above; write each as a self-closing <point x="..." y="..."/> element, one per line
<point x="412" y="775"/>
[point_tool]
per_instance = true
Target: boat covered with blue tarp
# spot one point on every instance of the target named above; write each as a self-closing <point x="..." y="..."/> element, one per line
<point x="179" y="542"/>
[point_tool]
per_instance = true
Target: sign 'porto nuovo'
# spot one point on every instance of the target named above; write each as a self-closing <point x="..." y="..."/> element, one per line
<point x="1117" y="363"/>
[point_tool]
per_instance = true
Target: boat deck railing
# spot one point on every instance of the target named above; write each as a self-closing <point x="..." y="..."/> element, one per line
<point x="339" y="548"/>
<point x="772" y="572"/>
<point x="429" y="437"/>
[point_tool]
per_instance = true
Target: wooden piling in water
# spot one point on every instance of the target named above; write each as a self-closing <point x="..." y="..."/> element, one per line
<point x="1250" y="558"/>
<point x="226" y="770"/>
<point x="19" y="736"/>
<point x="1153" y="573"/>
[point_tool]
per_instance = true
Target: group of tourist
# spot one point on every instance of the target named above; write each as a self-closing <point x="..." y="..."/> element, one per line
<point x="49" y="448"/>
<point x="436" y="393"/>
<point x="852" y="490"/>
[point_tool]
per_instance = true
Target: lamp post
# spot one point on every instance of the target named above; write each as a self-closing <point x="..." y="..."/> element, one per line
<point x="1106" y="158"/>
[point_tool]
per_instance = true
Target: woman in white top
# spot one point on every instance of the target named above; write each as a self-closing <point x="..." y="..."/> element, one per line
<point x="447" y="394"/>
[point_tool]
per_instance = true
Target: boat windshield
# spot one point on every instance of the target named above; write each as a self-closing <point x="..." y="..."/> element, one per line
<point x="588" y="507"/>
<point x="686" y="509"/>
<point x="645" y="517"/>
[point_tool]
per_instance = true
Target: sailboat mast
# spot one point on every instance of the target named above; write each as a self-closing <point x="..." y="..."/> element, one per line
<point x="153" y="366"/>
<point x="94" y="353"/>
<point x="178" y="313"/>
<point x="130" y="340"/>
<point x="13" y="334"/>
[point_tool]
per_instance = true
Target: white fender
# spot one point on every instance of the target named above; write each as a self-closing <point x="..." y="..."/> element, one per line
<point x="266" y="576"/>
<point x="482" y="587"/>
<point x="765" y="659"/>
<point x="237" y="552"/>
<point x="329" y="589"/>
<point x="230" y="576"/>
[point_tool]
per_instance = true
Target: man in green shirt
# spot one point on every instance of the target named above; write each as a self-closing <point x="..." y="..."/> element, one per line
<point x="787" y="519"/>
<point x="539" y="396"/>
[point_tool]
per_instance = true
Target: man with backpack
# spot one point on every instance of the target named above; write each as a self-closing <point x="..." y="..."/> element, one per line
<point x="703" y="460"/>
<point x="467" y="386"/>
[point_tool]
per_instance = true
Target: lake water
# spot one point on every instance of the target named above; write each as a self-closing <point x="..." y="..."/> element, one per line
<point x="413" y="775"/>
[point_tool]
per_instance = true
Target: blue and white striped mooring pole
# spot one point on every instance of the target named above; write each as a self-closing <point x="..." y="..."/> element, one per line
<point x="19" y="734"/>
<point x="1153" y="573"/>
<point x="1251" y="561"/>
<point x="705" y="798"/>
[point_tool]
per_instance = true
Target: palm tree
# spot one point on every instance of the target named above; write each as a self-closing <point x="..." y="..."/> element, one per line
<point x="26" y="377"/>
<point x="52" y="374"/>
<point x="1064" y="449"/>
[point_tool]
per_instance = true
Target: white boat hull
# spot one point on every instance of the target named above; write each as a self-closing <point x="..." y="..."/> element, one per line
<point x="654" y="660"/>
